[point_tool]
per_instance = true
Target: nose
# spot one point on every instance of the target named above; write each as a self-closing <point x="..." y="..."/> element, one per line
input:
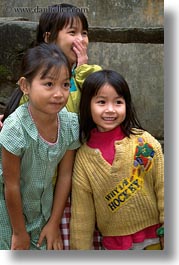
<point x="58" y="92"/>
<point x="110" y="108"/>
<point x="80" y="37"/>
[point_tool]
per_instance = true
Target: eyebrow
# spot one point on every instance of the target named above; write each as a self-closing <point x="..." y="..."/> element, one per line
<point x="106" y="97"/>
<point x="72" y="27"/>
<point x="54" y="78"/>
<point x="47" y="77"/>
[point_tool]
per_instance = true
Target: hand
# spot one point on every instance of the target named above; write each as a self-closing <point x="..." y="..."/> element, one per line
<point x="20" y="241"/>
<point x="80" y="48"/>
<point x="1" y="124"/>
<point x="51" y="233"/>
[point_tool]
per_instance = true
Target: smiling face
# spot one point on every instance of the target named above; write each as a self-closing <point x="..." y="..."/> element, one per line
<point x="108" y="109"/>
<point x="72" y="35"/>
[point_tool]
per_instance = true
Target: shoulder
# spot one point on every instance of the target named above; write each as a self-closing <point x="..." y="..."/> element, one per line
<point x="85" y="153"/>
<point x="21" y="123"/>
<point x="150" y="138"/>
<point x="70" y="119"/>
<point x="82" y="71"/>
<point x="12" y="134"/>
<point x="17" y="118"/>
<point x="147" y="138"/>
<point x="69" y="126"/>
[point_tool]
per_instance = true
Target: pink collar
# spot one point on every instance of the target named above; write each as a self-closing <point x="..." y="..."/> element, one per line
<point x="104" y="141"/>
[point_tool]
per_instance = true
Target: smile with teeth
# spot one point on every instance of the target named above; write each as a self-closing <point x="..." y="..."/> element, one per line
<point x="109" y="118"/>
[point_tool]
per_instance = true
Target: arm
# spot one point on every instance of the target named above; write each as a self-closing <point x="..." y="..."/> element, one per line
<point x="82" y="222"/>
<point x="62" y="189"/>
<point x="1" y="124"/>
<point x="159" y="186"/>
<point x="11" y="173"/>
<point x="82" y="71"/>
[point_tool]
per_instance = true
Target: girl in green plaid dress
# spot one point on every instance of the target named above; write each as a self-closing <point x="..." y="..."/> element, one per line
<point x="37" y="137"/>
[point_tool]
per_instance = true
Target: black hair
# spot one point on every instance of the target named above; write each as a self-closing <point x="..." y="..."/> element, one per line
<point x="90" y="88"/>
<point x="46" y="57"/>
<point x="13" y="103"/>
<point x="56" y="18"/>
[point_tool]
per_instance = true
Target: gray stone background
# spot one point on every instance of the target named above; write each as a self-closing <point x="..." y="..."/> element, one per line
<point x="125" y="35"/>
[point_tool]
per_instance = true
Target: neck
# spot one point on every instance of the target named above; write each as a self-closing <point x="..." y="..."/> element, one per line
<point x="47" y="125"/>
<point x="41" y="117"/>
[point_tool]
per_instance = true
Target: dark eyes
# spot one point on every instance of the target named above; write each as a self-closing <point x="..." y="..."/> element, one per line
<point x="85" y="33"/>
<point x="66" y="85"/>
<point x="73" y="32"/>
<point x="102" y="102"/>
<point x="119" y="102"/>
<point x="49" y="84"/>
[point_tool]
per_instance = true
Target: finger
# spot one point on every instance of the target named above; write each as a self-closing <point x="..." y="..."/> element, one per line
<point x="49" y="246"/>
<point x="55" y="246"/>
<point x="41" y="238"/>
<point x="78" y="54"/>
<point x="80" y="45"/>
<point x="58" y="246"/>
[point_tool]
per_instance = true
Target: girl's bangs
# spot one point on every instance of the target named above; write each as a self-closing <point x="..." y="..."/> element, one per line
<point x="52" y="71"/>
<point x="76" y="19"/>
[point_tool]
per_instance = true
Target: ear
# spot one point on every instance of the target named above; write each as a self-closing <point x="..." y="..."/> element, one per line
<point x="46" y="37"/>
<point x="24" y="85"/>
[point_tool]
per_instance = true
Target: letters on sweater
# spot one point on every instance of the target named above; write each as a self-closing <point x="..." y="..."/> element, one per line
<point x="129" y="186"/>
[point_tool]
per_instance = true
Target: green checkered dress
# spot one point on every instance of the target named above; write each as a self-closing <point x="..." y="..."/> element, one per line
<point x="39" y="159"/>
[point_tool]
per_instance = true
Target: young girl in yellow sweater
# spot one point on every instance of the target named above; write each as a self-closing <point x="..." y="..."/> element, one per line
<point x="118" y="178"/>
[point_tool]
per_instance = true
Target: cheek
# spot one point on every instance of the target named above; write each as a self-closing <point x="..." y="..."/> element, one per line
<point x="58" y="41"/>
<point x="95" y="115"/>
<point x="66" y="94"/>
<point x="123" y="113"/>
<point x="61" y="42"/>
<point x="86" y="41"/>
<point x="92" y="111"/>
<point x="35" y="94"/>
<point x="95" y="119"/>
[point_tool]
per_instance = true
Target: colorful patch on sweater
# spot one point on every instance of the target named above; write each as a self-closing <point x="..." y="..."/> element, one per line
<point x="129" y="186"/>
<point x="144" y="154"/>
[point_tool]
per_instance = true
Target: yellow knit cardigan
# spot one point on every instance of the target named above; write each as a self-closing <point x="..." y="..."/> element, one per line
<point x="121" y="198"/>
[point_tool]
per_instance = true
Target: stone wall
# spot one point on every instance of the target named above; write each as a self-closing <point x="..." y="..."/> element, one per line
<point x="113" y="13"/>
<point x="126" y="36"/>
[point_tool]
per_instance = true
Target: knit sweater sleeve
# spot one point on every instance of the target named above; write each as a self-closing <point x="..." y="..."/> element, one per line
<point x="83" y="212"/>
<point x="158" y="173"/>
